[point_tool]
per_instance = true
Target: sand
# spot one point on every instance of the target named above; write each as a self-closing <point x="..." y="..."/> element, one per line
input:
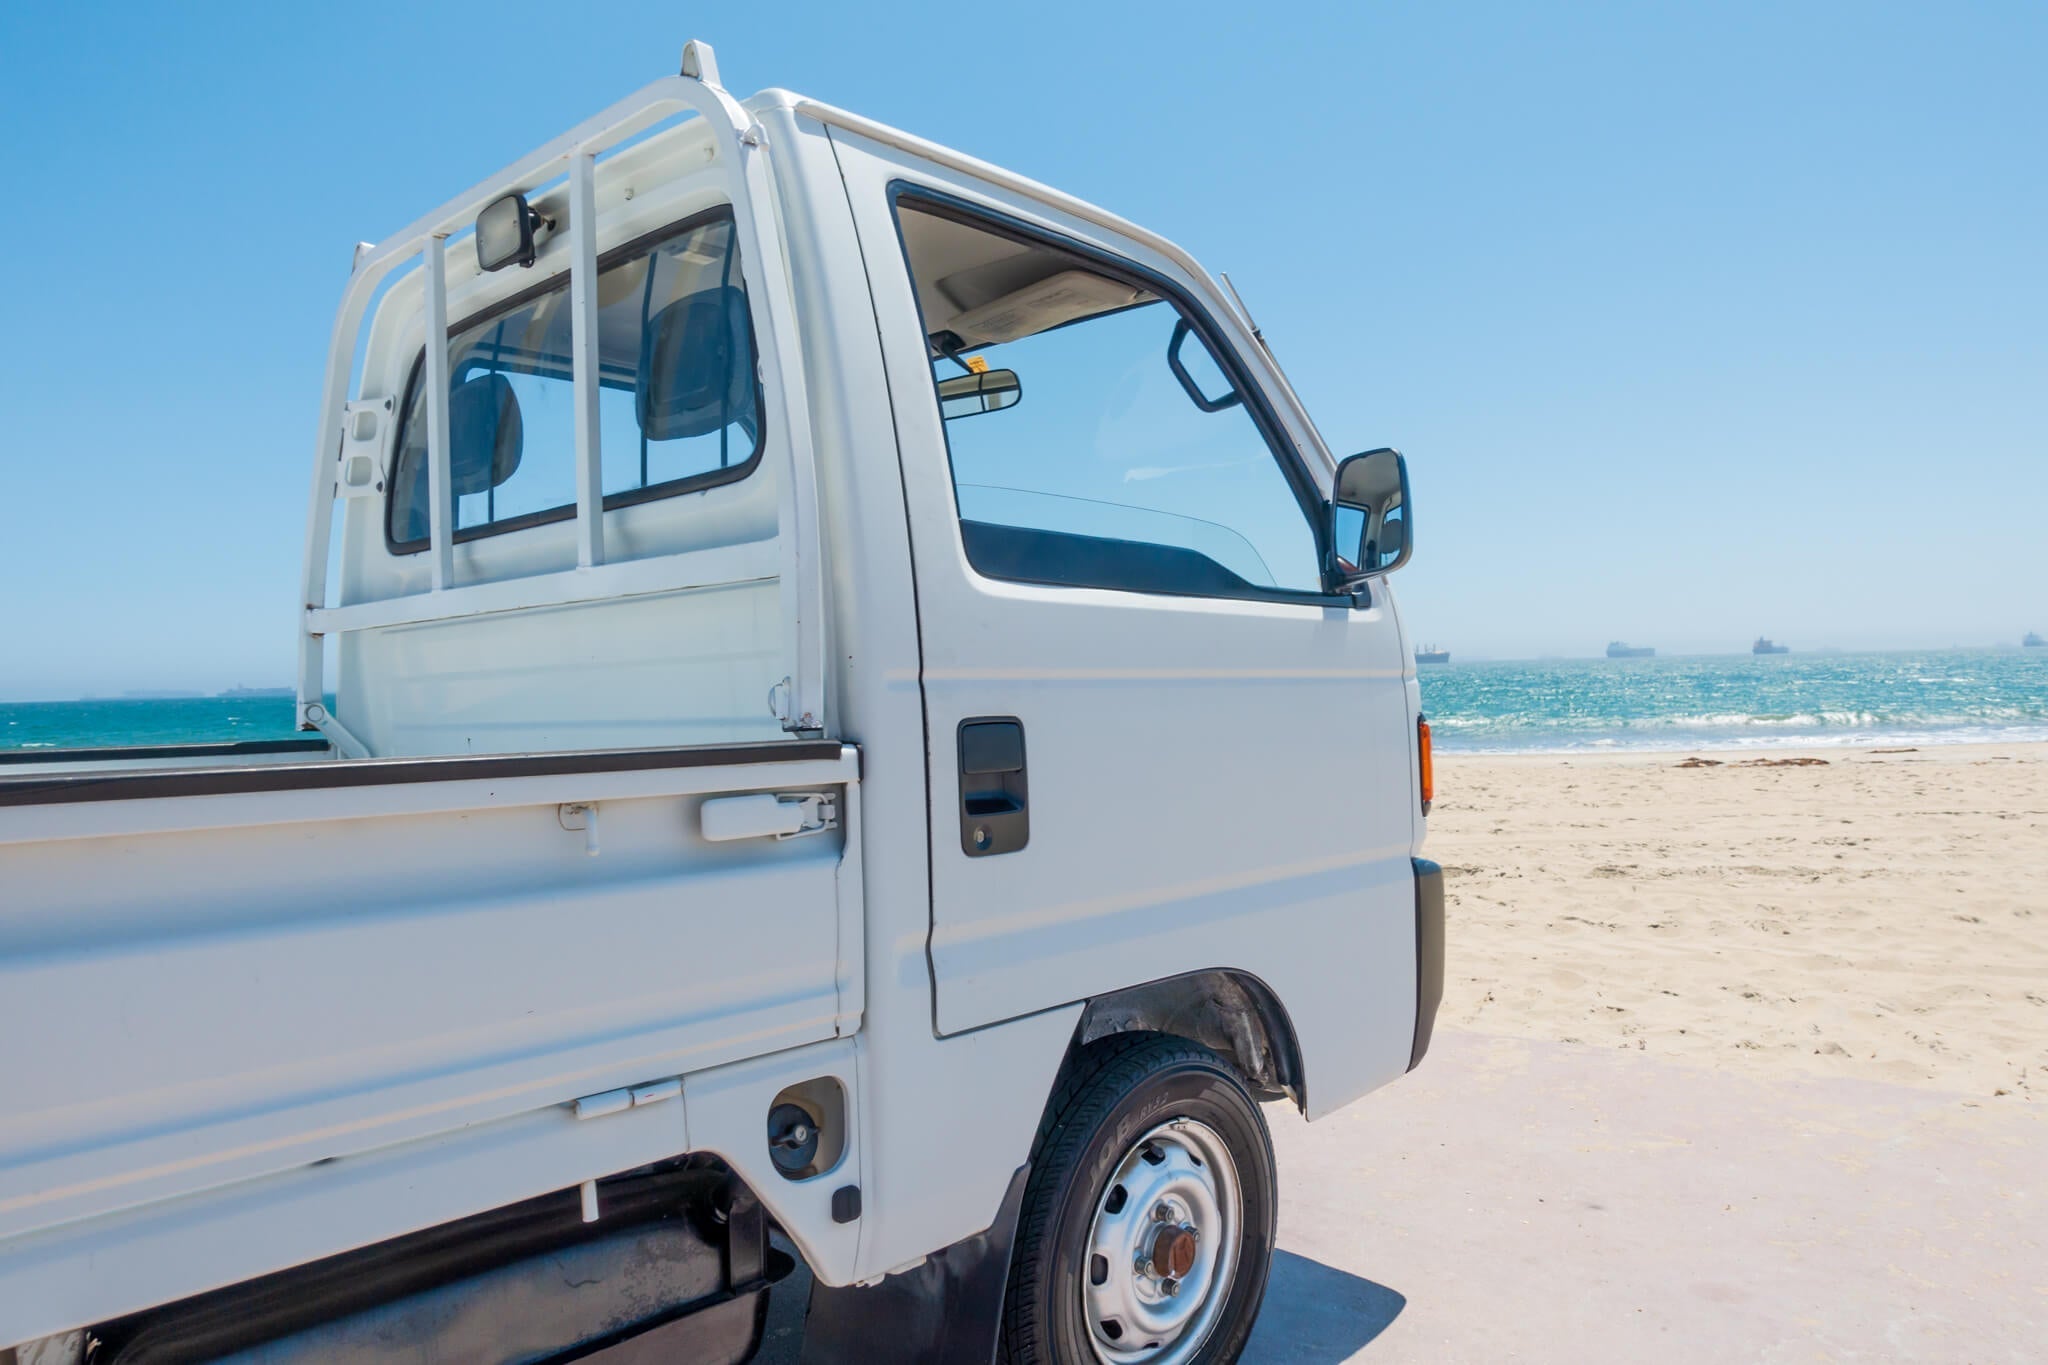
<point x="1877" y="915"/>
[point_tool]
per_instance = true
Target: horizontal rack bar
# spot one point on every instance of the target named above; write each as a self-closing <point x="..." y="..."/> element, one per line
<point x="720" y="566"/>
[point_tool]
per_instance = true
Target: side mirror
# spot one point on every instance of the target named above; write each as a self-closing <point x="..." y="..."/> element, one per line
<point x="969" y="395"/>
<point x="1372" y="523"/>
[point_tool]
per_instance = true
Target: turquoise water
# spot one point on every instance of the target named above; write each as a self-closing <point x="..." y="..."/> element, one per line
<point x="171" y="720"/>
<point x="1679" y="703"/>
<point x="1725" y="702"/>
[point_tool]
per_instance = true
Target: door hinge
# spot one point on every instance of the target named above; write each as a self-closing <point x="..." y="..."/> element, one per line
<point x="820" y="813"/>
<point x="365" y="428"/>
<point x="779" y="703"/>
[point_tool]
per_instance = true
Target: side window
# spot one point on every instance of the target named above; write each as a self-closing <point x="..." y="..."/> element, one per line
<point x="1095" y="440"/>
<point x="678" y="401"/>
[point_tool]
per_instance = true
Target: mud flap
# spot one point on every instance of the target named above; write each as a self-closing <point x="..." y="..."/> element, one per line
<point x="946" y="1311"/>
<point x="1429" y="954"/>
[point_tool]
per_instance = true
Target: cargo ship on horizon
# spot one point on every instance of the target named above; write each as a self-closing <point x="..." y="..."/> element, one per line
<point x="1621" y="649"/>
<point x="1764" y="645"/>
<point x="1430" y="654"/>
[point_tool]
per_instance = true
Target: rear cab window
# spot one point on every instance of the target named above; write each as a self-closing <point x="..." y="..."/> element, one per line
<point x="679" y="397"/>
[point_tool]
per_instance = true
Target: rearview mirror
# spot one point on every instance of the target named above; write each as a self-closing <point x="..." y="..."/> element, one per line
<point x="969" y="395"/>
<point x="1372" y="525"/>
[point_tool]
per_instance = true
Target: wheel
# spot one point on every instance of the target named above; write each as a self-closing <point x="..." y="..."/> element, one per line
<point x="1147" y="1226"/>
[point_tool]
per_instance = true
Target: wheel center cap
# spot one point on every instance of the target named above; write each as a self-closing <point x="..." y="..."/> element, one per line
<point x="1173" y="1251"/>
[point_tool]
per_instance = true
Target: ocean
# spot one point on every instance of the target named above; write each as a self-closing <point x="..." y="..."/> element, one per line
<point x="1699" y="702"/>
<point x="118" y="722"/>
<point x="1739" y="701"/>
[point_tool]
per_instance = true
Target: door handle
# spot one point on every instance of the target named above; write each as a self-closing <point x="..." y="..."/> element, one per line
<point x="995" y="811"/>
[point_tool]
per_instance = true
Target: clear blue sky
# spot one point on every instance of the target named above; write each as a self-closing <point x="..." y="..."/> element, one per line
<point x="1694" y="321"/>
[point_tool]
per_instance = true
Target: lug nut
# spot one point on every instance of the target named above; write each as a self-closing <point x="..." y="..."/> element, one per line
<point x="1169" y="1287"/>
<point x="1161" y="1213"/>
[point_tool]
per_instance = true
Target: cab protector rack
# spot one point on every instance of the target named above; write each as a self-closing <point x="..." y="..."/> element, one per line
<point x="351" y="433"/>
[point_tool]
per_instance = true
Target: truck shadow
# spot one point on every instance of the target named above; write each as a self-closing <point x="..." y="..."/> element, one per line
<point x="1314" y="1314"/>
<point x="1317" y="1314"/>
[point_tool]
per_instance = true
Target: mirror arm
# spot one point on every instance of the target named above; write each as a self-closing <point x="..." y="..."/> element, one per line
<point x="1356" y="586"/>
<point x="1337" y="583"/>
<point x="950" y="345"/>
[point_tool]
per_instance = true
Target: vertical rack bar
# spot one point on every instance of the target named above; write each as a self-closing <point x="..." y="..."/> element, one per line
<point x="440" y="496"/>
<point x="765" y="266"/>
<point x="584" y="355"/>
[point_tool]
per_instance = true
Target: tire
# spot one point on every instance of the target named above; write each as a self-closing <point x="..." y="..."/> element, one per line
<point x="1120" y="1256"/>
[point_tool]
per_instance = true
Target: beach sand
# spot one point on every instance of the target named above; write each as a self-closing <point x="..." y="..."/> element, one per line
<point x="1876" y="915"/>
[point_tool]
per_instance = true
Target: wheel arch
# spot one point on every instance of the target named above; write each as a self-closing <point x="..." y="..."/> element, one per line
<point x="1229" y="1010"/>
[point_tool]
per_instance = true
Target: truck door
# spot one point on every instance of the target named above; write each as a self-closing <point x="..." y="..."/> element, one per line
<point x="1155" y="744"/>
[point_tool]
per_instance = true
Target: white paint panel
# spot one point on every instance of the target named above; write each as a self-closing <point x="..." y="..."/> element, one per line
<point x="680" y="668"/>
<point x="104" y="1267"/>
<point x="218" y="1004"/>
<point x="1183" y="815"/>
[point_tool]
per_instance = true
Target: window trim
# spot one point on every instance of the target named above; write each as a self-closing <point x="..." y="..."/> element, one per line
<point x="631" y="497"/>
<point x="1279" y="445"/>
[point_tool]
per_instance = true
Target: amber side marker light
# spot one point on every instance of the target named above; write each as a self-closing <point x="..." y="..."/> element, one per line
<point x="1428" y="762"/>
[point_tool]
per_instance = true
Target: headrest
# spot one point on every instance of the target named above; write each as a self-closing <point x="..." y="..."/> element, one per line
<point x="696" y="370"/>
<point x="485" y="434"/>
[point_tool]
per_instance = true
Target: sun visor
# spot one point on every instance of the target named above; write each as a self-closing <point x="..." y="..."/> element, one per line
<point x="1040" y="307"/>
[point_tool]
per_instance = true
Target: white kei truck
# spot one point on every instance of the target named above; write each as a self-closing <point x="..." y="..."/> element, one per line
<point x="843" y="694"/>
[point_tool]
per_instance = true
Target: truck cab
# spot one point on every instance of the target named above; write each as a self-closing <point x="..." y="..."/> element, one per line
<point x="843" y="696"/>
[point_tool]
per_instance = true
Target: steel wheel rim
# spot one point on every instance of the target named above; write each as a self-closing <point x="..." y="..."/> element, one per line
<point x="1176" y="1180"/>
